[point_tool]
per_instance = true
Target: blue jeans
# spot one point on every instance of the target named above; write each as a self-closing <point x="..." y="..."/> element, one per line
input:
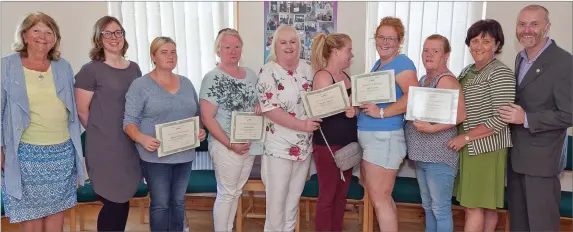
<point x="436" y="182"/>
<point x="167" y="184"/>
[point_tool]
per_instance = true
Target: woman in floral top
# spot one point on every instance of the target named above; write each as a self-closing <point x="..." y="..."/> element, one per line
<point x="288" y="146"/>
<point x="227" y="88"/>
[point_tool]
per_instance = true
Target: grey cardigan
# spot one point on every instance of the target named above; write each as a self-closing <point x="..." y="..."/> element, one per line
<point x="16" y="115"/>
<point x="493" y="87"/>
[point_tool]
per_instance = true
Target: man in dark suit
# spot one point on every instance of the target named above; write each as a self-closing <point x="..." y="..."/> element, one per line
<point x="539" y="120"/>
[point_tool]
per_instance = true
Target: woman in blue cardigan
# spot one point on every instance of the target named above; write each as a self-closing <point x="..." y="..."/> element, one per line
<point x="41" y="147"/>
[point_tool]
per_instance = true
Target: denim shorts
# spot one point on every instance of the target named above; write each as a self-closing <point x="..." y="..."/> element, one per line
<point x="383" y="148"/>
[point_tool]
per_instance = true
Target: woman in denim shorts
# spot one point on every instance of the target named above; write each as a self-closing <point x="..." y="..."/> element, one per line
<point x="380" y="126"/>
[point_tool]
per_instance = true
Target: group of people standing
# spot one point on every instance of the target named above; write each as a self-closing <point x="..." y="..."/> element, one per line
<point x="506" y="121"/>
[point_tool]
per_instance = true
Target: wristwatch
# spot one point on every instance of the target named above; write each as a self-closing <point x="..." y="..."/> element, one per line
<point x="466" y="137"/>
<point x="381" y="112"/>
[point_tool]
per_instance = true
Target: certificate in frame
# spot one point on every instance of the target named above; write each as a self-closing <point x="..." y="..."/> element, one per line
<point x="177" y="136"/>
<point x="325" y="102"/>
<point x="375" y="87"/>
<point x="247" y="127"/>
<point x="432" y="105"/>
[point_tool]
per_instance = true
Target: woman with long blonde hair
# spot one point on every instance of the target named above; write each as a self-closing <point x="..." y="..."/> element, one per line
<point x="331" y="55"/>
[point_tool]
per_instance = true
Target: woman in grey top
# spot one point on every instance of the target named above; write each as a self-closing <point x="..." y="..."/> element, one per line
<point x="225" y="89"/>
<point x="436" y="164"/>
<point x="161" y="97"/>
<point x="111" y="158"/>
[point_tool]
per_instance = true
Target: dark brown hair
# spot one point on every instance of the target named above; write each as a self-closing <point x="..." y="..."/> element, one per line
<point x="96" y="52"/>
<point x="446" y="43"/>
<point x="28" y="22"/>
<point x="486" y="27"/>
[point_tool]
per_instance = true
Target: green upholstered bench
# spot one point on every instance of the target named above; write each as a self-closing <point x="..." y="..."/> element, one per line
<point x="87" y="194"/>
<point x="354" y="196"/>
<point x="202" y="181"/>
<point x="565" y="206"/>
<point x="355" y="191"/>
<point x="204" y="145"/>
<point x="406" y="190"/>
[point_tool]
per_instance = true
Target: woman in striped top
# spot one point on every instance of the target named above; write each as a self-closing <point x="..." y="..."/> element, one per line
<point x="483" y="137"/>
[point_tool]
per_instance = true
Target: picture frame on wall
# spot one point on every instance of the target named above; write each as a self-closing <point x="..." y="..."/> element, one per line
<point x="308" y="18"/>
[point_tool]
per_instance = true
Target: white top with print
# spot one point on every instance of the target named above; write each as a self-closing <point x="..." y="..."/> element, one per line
<point x="280" y="88"/>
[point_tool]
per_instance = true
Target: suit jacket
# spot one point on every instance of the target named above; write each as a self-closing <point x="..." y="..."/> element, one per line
<point x="545" y="95"/>
<point x="16" y="115"/>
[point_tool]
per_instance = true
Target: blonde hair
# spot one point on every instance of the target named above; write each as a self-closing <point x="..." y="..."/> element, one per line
<point x="222" y="33"/>
<point x="28" y="22"/>
<point x="395" y="23"/>
<point x="157" y="43"/>
<point x="272" y="53"/>
<point x="96" y="52"/>
<point x="322" y="46"/>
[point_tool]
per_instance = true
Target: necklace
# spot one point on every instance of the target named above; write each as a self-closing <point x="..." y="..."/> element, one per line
<point x="41" y="77"/>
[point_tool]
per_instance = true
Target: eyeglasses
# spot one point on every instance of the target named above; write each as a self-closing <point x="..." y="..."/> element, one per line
<point x="386" y="39"/>
<point x="108" y="34"/>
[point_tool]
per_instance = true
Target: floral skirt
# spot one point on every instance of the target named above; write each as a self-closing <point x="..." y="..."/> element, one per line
<point x="48" y="182"/>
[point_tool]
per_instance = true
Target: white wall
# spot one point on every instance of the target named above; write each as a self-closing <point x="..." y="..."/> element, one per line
<point x="75" y="19"/>
<point x="560" y="14"/>
<point x="352" y="21"/>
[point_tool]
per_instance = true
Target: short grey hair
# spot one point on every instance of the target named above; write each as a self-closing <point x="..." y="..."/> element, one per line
<point x="537" y="7"/>
<point x="273" y="54"/>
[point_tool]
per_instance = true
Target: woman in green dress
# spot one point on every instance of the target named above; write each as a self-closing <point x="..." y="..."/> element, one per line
<point x="483" y="137"/>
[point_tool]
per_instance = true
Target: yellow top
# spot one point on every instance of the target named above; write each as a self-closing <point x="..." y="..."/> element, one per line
<point x="48" y="114"/>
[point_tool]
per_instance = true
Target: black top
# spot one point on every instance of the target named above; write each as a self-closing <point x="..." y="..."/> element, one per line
<point x="338" y="129"/>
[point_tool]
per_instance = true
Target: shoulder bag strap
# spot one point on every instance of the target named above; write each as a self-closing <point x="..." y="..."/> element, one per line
<point x="332" y="153"/>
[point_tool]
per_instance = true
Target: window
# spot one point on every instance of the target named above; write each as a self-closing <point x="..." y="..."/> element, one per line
<point x="421" y="19"/>
<point x="193" y="26"/>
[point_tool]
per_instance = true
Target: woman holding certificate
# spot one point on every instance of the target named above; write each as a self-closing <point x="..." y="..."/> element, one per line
<point x="330" y="55"/>
<point x="41" y="144"/>
<point x="226" y="89"/>
<point x="436" y="164"/>
<point x="156" y="99"/>
<point x="483" y="138"/>
<point x="285" y="161"/>
<point x="111" y="158"/>
<point x="380" y="126"/>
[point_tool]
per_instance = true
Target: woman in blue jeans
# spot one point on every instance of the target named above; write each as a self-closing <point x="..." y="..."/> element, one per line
<point x="161" y="97"/>
<point x="436" y="164"/>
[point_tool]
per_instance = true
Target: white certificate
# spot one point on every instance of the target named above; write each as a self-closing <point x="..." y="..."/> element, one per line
<point x="376" y="87"/>
<point x="247" y="127"/>
<point x="432" y="105"/>
<point x="177" y="136"/>
<point x="327" y="101"/>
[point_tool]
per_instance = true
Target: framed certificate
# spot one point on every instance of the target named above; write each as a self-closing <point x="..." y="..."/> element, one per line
<point x="177" y="136"/>
<point x="432" y="105"/>
<point x="376" y="87"/>
<point x="327" y="101"/>
<point x="247" y="127"/>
